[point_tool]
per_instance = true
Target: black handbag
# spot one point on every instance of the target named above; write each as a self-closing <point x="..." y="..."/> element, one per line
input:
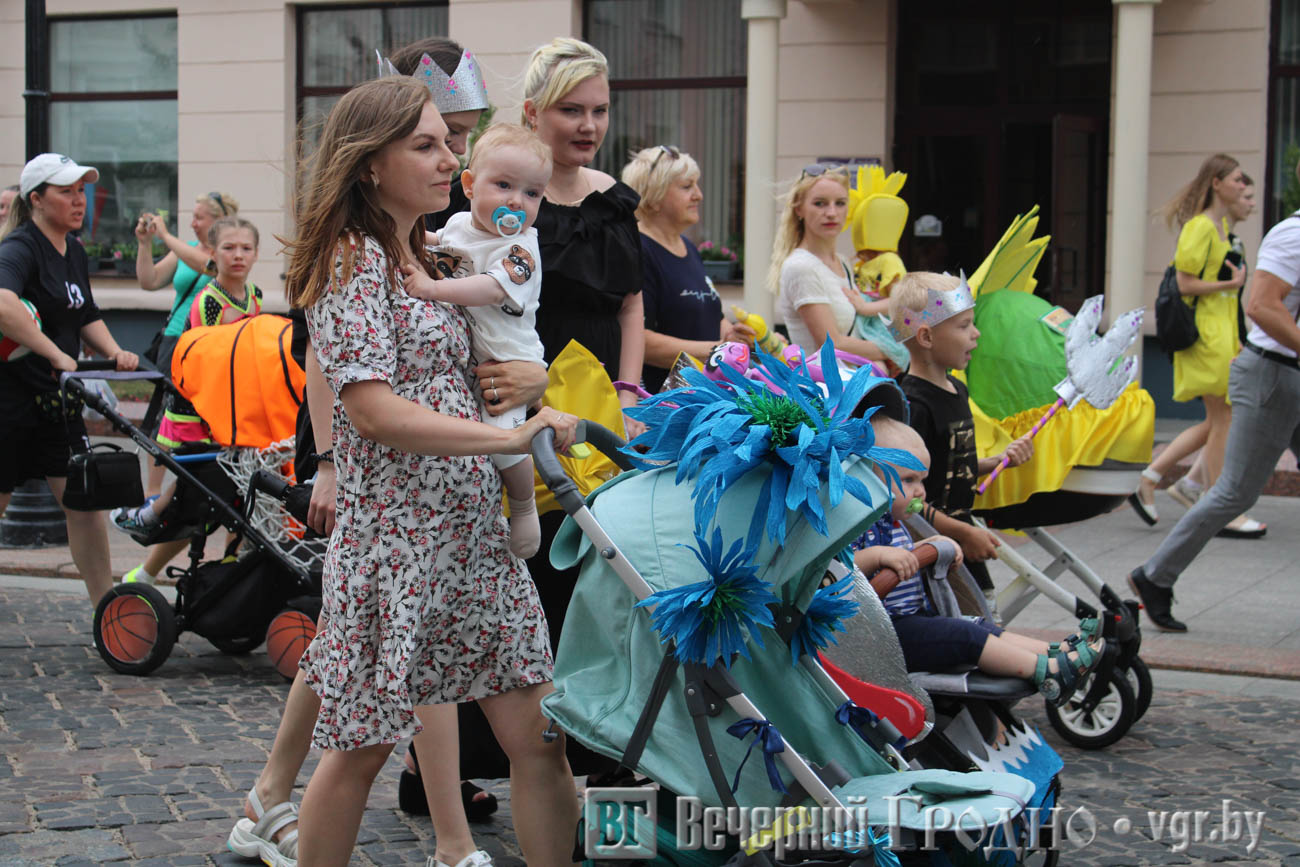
<point x="1175" y="320"/>
<point x="103" y="477"/>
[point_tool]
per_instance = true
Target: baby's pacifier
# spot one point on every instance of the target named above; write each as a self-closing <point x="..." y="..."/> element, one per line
<point x="914" y="506"/>
<point x="509" y="223"/>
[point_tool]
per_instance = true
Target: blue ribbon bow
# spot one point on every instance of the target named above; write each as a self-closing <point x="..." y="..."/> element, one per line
<point x="766" y="734"/>
<point x="850" y="714"/>
<point x="859" y="841"/>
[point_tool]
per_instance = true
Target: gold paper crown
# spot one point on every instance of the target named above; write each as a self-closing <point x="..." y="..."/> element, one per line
<point x="877" y="215"/>
<point x="939" y="306"/>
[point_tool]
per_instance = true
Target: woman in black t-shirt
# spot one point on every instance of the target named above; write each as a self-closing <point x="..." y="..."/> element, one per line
<point x="683" y="312"/>
<point x="42" y="263"/>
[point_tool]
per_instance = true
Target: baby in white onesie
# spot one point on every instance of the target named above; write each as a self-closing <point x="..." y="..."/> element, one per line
<point x="506" y="177"/>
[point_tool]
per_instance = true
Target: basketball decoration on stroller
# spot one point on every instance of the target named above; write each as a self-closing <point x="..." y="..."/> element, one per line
<point x="242" y="378"/>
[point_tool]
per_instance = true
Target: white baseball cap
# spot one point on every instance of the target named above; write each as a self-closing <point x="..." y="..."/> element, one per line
<point x="54" y="169"/>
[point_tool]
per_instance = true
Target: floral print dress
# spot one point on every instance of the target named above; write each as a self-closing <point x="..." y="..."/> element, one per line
<point x="423" y="601"/>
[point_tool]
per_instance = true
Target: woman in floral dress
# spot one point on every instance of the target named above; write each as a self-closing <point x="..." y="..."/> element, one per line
<point x="424" y="603"/>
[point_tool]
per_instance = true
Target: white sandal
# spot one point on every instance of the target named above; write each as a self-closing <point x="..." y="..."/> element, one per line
<point x="1146" y="511"/>
<point x="251" y="839"/>
<point x="477" y="858"/>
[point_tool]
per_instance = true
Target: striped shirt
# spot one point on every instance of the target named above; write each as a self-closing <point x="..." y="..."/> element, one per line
<point x="909" y="596"/>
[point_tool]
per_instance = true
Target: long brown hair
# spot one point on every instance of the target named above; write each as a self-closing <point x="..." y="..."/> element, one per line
<point x="333" y="207"/>
<point x="1199" y="194"/>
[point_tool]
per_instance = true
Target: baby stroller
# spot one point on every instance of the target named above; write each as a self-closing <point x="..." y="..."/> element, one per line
<point x="270" y="592"/>
<point x="683" y="725"/>
<point x="1086" y="462"/>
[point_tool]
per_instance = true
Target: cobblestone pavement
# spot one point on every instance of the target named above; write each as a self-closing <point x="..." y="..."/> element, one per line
<point x="103" y="768"/>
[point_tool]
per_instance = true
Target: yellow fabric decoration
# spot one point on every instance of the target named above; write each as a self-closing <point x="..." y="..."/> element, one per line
<point x="1011" y="262"/>
<point x="877" y="215"/>
<point x="1083" y="436"/>
<point x="580" y="385"/>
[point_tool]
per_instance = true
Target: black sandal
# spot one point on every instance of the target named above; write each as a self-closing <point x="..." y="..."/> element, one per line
<point x="479" y="805"/>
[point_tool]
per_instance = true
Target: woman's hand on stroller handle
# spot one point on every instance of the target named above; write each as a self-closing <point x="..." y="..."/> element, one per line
<point x="564" y="425"/>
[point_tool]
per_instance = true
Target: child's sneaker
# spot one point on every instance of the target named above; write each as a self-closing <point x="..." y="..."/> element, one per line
<point x="138" y="575"/>
<point x="135" y="519"/>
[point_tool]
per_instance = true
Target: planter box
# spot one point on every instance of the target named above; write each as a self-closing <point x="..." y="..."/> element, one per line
<point x="719" y="270"/>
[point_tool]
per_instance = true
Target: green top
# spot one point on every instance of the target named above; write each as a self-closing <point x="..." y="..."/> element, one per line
<point x="187" y="283"/>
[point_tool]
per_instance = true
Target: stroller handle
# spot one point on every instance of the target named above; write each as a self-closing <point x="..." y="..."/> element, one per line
<point x="548" y="465"/>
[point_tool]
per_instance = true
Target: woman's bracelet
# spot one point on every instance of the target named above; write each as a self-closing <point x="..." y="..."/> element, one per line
<point x="324" y="457"/>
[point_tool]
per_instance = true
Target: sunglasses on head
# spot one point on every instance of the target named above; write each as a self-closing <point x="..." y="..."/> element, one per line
<point x="216" y="197"/>
<point x="671" y="150"/>
<point x="816" y="170"/>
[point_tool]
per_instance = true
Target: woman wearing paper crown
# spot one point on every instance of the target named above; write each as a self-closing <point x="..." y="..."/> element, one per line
<point x="876" y="220"/>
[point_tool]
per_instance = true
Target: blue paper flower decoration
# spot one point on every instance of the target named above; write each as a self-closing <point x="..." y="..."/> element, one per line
<point x="829" y="608"/>
<point x="718" y="431"/>
<point x="709" y="620"/>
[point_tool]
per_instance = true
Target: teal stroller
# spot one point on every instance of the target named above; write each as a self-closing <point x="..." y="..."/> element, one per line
<point x="687" y="709"/>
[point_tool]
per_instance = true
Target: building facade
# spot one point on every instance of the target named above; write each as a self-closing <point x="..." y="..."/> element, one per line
<point x="1095" y="110"/>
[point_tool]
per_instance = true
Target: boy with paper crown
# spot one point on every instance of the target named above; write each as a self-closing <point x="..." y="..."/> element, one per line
<point x="876" y="219"/>
<point x="933" y="315"/>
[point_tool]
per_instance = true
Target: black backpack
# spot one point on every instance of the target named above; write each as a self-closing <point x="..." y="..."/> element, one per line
<point x="1175" y="320"/>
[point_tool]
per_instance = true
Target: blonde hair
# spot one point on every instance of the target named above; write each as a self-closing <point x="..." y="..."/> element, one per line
<point x="557" y="68"/>
<point x="500" y="135"/>
<point x="215" y="230"/>
<point x="912" y="290"/>
<point x="789" y="229"/>
<point x="890" y="433"/>
<point x="1199" y="194"/>
<point x="228" y="206"/>
<point x="333" y="207"/>
<point x="652" y="171"/>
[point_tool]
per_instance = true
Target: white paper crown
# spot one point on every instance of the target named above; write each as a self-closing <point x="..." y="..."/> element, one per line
<point x="938" y="307"/>
<point x="462" y="91"/>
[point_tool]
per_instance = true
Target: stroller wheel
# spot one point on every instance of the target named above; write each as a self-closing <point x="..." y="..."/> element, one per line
<point x="236" y="646"/>
<point x="134" y="628"/>
<point x="286" y="638"/>
<point x="1139" y="678"/>
<point x="1103" y="725"/>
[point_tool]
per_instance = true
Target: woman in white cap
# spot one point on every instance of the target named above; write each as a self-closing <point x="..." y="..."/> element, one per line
<point x="42" y="264"/>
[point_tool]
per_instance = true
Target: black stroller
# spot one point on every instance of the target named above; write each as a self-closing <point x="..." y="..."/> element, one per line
<point x="267" y="593"/>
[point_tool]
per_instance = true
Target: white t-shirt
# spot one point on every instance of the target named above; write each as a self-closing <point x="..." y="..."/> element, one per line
<point x="507" y="332"/>
<point x="805" y="279"/>
<point x="1279" y="255"/>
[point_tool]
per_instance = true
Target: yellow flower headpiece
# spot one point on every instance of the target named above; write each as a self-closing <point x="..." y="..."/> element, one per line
<point x="876" y="214"/>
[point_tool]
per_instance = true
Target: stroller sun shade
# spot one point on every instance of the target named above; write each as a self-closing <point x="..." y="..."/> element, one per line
<point x="609" y="653"/>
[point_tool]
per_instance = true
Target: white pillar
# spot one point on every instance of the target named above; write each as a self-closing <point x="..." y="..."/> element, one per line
<point x="1131" y="121"/>
<point x="764" y="17"/>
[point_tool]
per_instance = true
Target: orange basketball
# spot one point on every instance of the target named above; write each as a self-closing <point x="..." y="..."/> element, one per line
<point x="286" y="638"/>
<point x="129" y="628"/>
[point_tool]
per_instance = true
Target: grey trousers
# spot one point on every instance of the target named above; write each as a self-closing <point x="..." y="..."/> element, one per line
<point x="1265" y="422"/>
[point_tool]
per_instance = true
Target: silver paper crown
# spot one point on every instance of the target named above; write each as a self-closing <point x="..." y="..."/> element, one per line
<point x="462" y="91"/>
<point x="938" y="307"/>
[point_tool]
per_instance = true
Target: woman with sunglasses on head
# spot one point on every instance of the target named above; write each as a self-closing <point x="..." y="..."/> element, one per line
<point x="816" y="298"/>
<point x="683" y="313"/>
<point x="47" y="313"/>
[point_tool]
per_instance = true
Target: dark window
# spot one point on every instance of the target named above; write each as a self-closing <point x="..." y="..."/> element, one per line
<point x="113" y="106"/>
<point x="1282" y="194"/>
<point x="677" y="77"/>
<point x="336" y="49"/>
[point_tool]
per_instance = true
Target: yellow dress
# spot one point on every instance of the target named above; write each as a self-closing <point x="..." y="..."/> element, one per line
<point x="1202" y="368"/>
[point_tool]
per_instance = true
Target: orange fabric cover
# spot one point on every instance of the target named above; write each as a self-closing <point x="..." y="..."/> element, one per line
<point x="242" y="379"/>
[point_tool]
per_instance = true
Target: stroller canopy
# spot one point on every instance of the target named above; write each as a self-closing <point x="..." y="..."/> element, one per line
<point x="609" y="653"/>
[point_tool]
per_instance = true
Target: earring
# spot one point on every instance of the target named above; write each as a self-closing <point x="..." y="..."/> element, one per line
<point x="375" y="178"/>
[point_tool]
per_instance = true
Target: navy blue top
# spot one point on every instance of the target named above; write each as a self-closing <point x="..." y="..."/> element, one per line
<point x="679" y="299"/>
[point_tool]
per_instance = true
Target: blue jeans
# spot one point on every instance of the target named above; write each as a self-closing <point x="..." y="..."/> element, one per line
<point x="1265" y="422"/>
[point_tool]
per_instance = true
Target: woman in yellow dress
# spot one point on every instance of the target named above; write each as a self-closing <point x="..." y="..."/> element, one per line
<point x="1202" y="209"/>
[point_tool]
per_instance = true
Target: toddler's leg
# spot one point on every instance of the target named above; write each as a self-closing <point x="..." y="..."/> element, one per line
<point x="525" y="530"/>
